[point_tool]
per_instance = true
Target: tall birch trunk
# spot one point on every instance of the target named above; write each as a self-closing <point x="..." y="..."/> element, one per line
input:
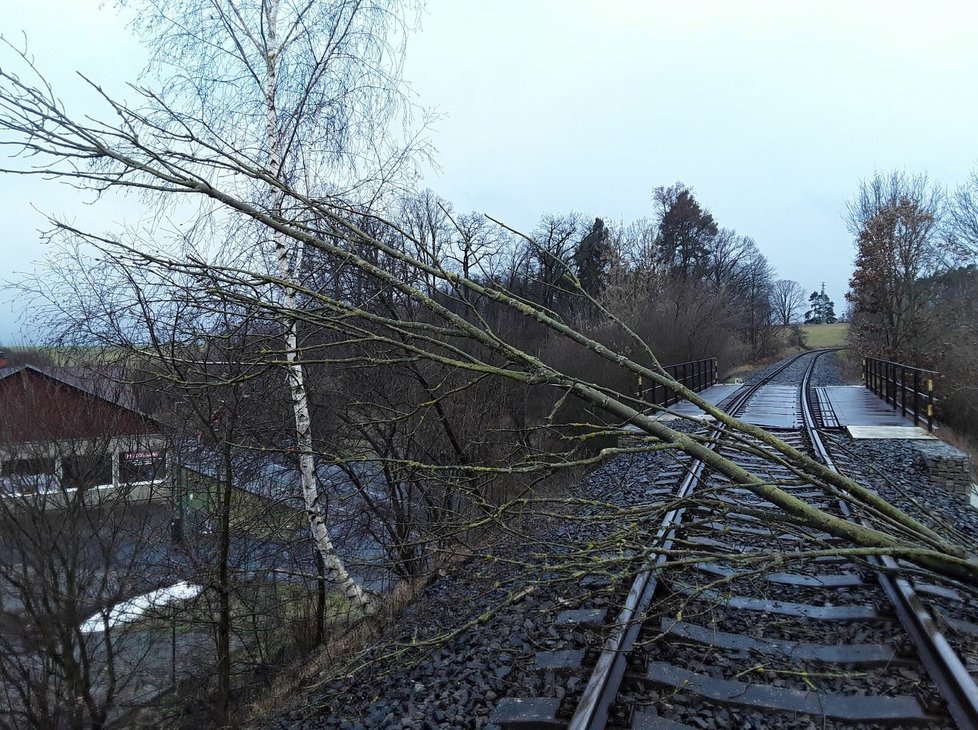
<point x="335" y="571"/>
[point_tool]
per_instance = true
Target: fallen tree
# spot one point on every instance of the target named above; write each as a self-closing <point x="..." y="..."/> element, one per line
<point x="446" y="325"/>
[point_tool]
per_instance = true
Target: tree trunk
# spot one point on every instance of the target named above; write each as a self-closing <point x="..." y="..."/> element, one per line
<point x="334" y="569"/>
<point x="223" y="699"/>
<point x="320" y="600"/>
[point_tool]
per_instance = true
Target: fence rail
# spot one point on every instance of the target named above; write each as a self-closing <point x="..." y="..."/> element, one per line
<point x="696" y="375"/>
<point x="908" y="388"/>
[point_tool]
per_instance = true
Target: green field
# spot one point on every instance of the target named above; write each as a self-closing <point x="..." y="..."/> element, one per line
<point x="825" y="335"/>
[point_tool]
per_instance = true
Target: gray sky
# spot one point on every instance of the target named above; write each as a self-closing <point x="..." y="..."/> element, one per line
<point x="772" y="111"/>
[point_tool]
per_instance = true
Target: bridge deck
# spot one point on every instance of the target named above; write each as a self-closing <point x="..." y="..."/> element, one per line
<point x="714" y="394"/>
<point x="864" y="415"/>
<point x="776" y="406"/>
<point x="773" y="406"/>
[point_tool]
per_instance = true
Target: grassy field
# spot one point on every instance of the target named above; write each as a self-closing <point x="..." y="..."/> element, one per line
<point x="826" y="335"/>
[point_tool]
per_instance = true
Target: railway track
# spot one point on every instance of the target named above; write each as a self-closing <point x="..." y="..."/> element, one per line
<point x="742" y="619"/>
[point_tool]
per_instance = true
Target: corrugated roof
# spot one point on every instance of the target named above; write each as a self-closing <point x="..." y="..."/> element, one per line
<point x="4" y="372"/>
<point x="108" y="383"/>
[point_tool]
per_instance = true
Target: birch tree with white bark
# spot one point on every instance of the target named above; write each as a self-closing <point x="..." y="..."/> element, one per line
<point x="309" y="93"/>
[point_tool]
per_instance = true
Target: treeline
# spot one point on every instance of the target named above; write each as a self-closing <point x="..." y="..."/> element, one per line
<point x="689" y="287"/>
<point x="914" y="291"/>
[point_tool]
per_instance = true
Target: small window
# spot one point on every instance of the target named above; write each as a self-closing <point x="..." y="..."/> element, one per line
<point x="27" y="467"/>
<point x="88" y="471"/>
<point x="26" y="476"/>
<point x="141" y="466"/>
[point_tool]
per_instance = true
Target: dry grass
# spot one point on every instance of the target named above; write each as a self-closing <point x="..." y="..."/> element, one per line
<point x="826" y="335"/>
<point x="306" y="671"/>
<point x="849" y="365"/>
<point x="817" y="336"/>
<point x="745" y="369"/>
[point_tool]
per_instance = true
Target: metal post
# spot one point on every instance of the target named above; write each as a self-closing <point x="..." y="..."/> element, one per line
<point x="903" y="391"/>
<point x="930" y="403"/>
<point x="890" y="393"/>
<point x="916" y="396"/>
<point x="173" y="649"/>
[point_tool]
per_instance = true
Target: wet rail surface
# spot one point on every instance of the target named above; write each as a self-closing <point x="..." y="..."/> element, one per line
<point x="743" y="619"/>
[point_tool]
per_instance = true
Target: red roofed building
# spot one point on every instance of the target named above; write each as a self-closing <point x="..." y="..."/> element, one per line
<point x="62" y="430"/>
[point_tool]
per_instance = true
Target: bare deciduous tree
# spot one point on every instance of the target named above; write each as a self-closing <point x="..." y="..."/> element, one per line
<point x="962" y="219"/>
<point x="896" y="219"/>
<point x="756" y="281"/>
<point x="787" y="300"/>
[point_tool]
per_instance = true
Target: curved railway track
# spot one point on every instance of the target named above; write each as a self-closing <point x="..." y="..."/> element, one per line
<point x="711" y="643"/>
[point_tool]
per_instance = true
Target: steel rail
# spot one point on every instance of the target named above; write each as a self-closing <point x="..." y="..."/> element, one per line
<point x="940" y="660"/>
<point x="592" y="709"/>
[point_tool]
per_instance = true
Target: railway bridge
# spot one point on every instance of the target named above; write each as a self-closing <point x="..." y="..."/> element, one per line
<point x="666" y="595"/>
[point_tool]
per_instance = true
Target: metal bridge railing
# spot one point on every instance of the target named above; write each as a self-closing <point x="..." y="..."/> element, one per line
<point x="696" y="375"/>
<point x="908" y="388"/>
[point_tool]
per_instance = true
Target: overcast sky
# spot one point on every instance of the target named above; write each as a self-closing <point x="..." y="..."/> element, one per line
<point x="771" y="111"/>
